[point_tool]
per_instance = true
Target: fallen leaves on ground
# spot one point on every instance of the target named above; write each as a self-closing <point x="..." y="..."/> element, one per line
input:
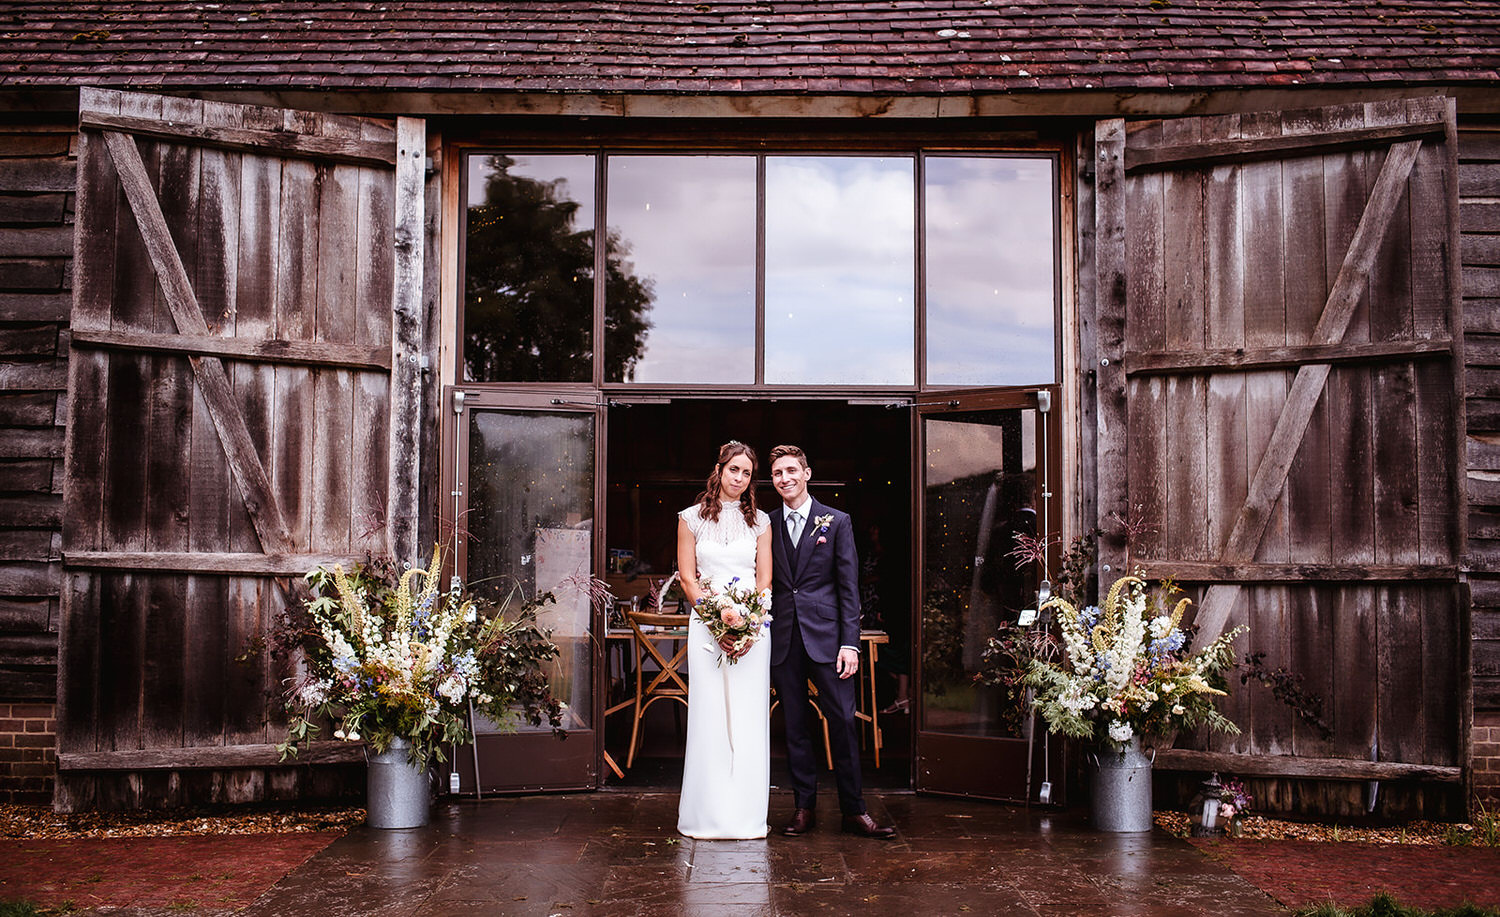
<point x="37" y="823"/>
<point x="1263" y="828"/>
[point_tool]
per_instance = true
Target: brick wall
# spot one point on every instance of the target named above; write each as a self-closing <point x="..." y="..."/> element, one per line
<point x="1486" y="758"/>
<point x="28" y="753"/>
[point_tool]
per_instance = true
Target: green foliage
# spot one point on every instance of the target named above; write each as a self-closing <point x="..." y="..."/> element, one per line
<point x="19" y="909"/>
<point x="1383" y="905"/>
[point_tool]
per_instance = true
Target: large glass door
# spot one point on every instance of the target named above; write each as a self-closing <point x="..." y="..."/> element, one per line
<point x="987" y="467"/>
<point x="525" y="497"/>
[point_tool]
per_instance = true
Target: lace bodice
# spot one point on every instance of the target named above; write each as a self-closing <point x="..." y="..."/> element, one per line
<point x="726" y="548"/>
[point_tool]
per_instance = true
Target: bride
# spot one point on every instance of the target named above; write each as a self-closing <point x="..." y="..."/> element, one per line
<point x="726" y="776"/>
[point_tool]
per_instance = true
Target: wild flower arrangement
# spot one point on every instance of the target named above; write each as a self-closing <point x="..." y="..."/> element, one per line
<point x="1126" y="671"/>
<point x="736" y="617"/>
<point x="389" y="657"/>
<point x="1234" y="801"/>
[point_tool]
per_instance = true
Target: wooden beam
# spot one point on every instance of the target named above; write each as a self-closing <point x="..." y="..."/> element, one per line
<point x="1182" y="759"/>
<point x="182" y="302"/>
<point x="1241" y="359"/>
<point x="244" y="140"/>
<point x="223" y="563"/>
<point x="404" y="468"/>
<point x="208" y="757"/>
<point x="301" y="353"/>
<point x="1214" y="152"/>
<point x="1104" y="364"/>
<point x="1209" y="572"/>
<point x="1270" y="475"/>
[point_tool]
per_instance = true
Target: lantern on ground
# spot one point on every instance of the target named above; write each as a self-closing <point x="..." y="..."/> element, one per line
<point x="1206" y="807"/>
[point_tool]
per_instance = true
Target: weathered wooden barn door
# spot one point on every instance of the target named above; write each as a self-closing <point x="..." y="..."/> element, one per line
<point x="246" y="281"/>
<point x="1278" y="412"/>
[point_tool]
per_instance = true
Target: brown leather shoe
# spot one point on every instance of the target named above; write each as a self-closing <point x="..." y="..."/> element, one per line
<point x="802" y="822"/>
<point x="865" y="826"/>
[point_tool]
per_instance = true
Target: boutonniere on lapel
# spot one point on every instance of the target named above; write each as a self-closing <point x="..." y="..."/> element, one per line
<point x="823" y="522"/>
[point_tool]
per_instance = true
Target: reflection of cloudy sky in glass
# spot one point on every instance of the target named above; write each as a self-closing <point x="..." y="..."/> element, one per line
<point x="575" y="171"/>
<point x="839" y="270"/>
<point x="688" y="225"/>
<point x="990" y="298"/>
<point x="960" y="449"/>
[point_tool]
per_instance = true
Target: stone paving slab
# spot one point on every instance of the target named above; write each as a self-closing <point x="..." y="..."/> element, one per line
<point x="618" y="855"/>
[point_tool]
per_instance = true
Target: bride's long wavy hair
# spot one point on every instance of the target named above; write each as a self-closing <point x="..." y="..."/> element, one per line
<point x="709" y="500"/>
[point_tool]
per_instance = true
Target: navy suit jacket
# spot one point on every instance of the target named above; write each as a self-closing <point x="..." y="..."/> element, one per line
<point x="814" y="587"/>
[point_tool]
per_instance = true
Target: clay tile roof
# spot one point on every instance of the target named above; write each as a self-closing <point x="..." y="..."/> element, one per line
<point x="726" y="46"/>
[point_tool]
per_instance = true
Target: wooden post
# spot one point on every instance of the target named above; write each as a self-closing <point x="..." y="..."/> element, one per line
<point x="407" y="347"/>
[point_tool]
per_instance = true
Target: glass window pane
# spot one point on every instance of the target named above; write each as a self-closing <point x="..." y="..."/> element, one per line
<point x="980" y="477"/>
<point x="839" y="270"/>
<point x="680" y="299"/>
<point x="530" y="524"/>
<point x="990" y="271"/>
<point x="529" y="269"/>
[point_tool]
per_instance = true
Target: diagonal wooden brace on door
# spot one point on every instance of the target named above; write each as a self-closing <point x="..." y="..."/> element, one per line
<point x="1270" y="476"/>
<point x="234" y="435"/>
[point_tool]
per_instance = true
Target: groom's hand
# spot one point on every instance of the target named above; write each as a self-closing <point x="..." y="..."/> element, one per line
<point x="848" y="662"/>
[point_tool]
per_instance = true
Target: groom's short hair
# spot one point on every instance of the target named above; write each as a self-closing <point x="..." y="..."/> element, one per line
<point x="793" y="451"/>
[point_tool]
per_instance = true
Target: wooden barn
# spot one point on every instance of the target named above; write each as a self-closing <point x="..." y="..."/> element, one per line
<point x="287" y="283"/>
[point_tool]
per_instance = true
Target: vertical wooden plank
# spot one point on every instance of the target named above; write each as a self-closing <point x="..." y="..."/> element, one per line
<point x="1184" y="260"/>
<point x="1402" y="736"/>
<point x="211" y="491"/>
<point x="78" y="664"/>
<point x="1147" y="447"/>
<point x="1356" y="663"/>
<point x="163" y="671"/>
<point x="1270" y="633"/>
<point x="1351" y="426"/>
<point x="335" y="321"/>
<point x="133" y="309"/>
<point x="1145" y="330"/>
<point x="86" y="441"/>
<point x="1393" y="396"/>
<point x="1265" y="312"/>
<point x="162" y="597"/>
<point x="1311" y="626"/>
<point x="408" y="346"/>
<point x="254" y="319"/>
<point x="296" y="271"/>
<point x="206" y="660"/>
<point x="1443" y="694"/>
<point x="370" y="468"/>
<point x="121" y="639"/>
<point x="1229" y="467"/>
<point x="245" y="683"/>
<point x="1241" y="704"/>
<point x="1390" y="275"/>
<point x="1110" y="268"/>
<point x="1309" y="507"/>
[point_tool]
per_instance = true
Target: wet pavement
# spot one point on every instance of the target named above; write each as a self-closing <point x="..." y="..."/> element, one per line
<point x="617" y="854"/>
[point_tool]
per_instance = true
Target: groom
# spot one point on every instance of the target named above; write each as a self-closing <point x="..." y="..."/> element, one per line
<point x="815" y="601"/>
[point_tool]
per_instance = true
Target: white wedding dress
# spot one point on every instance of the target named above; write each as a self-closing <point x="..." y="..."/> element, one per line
<point x="726" y="773"/>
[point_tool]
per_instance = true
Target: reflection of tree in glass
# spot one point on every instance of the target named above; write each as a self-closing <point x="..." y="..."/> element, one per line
<point x="529" y="288"/>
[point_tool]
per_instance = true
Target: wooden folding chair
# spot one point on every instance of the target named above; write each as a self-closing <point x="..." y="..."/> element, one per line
<point x="670" y="683"/>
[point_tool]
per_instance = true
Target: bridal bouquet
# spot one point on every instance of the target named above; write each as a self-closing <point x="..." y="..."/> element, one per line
<point x="1126" y="670"/>
<point x="386" y="657"/>
<point x="736" y="617"/>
